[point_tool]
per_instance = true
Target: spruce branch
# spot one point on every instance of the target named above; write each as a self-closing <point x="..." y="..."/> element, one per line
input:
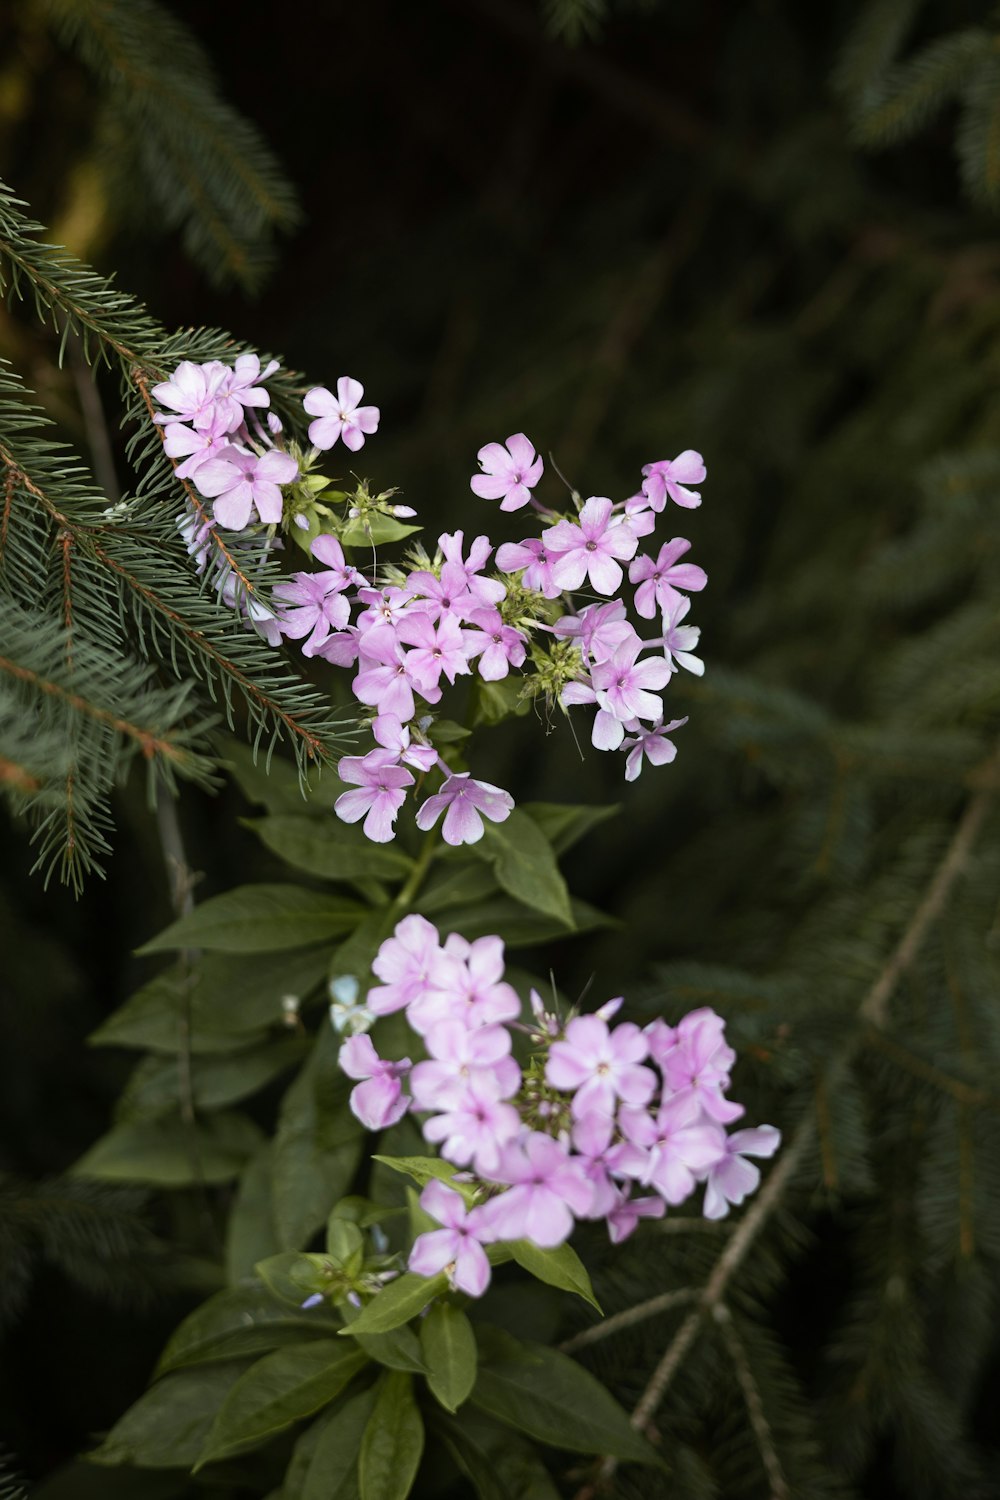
<point x="754" y="1403"/>
<point x="871" y="1013"/>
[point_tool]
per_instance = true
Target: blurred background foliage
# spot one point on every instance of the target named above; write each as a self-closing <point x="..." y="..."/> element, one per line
<point x="764" y="230"/>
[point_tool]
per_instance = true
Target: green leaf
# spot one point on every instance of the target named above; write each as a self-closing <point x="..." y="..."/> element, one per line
<point x="167" y="1426"/>
<point x="560" y="1267"/>
<point x="475" y="1463"/>
<point x="518" y="927"/>
<point x="466" y="879"/>
<point x="324" y="846"/>
<point x="525" y="865"/>
<point x="553" y="1399"/>
<point x="317" y="1146"/>
<point x="250" y="1231"/>
<point x="241" y="1321"/>
<point x="173" y="1153"/>
<point x="278" y="1390"/>
<point x="289" y="1276"/>
<point x="227" y="1003"/>
<point x="260" y="919"/>
<point x="269" y="782"/>
<point x="500" y="1465"/>
<point x="374" y="531"/>
<point x="333" y="1472"/>
<point x="397" y="1350"/>
<point x="564" y="824"/>
<point x="425" y="1169"/>
<point x="449" y="1347"/>
<point x="397" y="1303"/>
<point x="155" y="1086"/>
<point x="496" y="701"/>
<point x="393" y="1441"/>
<point x="343" y="1238"/>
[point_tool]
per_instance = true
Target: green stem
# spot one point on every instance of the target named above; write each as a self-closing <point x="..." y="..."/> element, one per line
<point x="416" y="877"/>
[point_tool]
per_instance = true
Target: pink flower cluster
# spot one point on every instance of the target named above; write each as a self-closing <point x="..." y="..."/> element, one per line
<point x="607" y="1122"/>
<point x="614" y="675"/>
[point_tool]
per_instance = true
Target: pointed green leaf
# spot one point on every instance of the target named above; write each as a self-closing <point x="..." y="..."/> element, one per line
<point x="173" y="1153"/>
<point x="397" y="1303"/>
<point x="333" y="1472"/>
<point x="560" y="1267"/>
<point x="449" y="1347"/>
<point x="241" y="1321"/>
<point x="553" y="1399"/>
<point x="260" y="919"/>
<point x="397" y="1350"/>
<point x="393" y="1441"/>
<point x="278" y="1390"/>
<point x="323" y="846"/>
<point x="154" y="1089"/>
<point x="524" y="863"/>
<point x="374" y="531"/>
<point x="425" y="1169"/>
<point x="250" y="1231"/>
<point x="564" y="824"/>
<point x="167" y="1426"/>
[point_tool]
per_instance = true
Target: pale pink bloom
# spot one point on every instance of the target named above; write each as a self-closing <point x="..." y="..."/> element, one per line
<point x="443" y="597"/>
<point x="241" y="385"/>
<point x="242" y="482"/>
<point x="536" y="560"/>
<point x="698" y="1065"/>
<point x="592" y="1134"/>
<point x="379" y="1101"/>
<point x="457" y="1249"/>
<point x="662" y="1039"/>
<point x="601" y="1066"/>
<point x="438" y="649"/>
<point x="328" y="550"/>
<point x="386" y="678"/>
<point x="671" y="1147"/>
<point x="392" y="734"/>
<point x="651" y="743"/>
<point x="640" y="517"/>
<point x="340" y="416"/>
<point x="195" y="446"/>
<point x="456" y="1056"/>
<point x="680" y="640"/>
<point x="464" y="803"/>
<point x="600" y="629"/>
<point x="405" y="963"/>
<point x="486" y="591"/>
<point x="381" y="793"/>
<point x="311" y="602"/>
<point x="669" y="477"/>
<point x="467" y="985"/>
<point x="510" y="472"/>
<point x="384" y="607"/>
<point x="623" y="1218"/>
<point x="498" y="646"/>
<point x="475" y="1126"/>
<point x="608" y="731"/>
<point x="199" y="395"/>
<point x="732" y="1179"/>
<point x="626" y="686"/>
<point x="589" y="549"/>
<point x="547" y="1188"/>
<point x="660" y="580"/>
<point x="342" y="648"/>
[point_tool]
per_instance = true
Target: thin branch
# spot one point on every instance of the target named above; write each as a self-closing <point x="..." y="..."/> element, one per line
<point x="18" y="777"/>
<point x="632" y="1315"/>
<point x="754" y="1404"/>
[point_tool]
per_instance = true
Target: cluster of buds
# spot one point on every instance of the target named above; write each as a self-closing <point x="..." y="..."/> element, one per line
<point x="603" y="1122"/>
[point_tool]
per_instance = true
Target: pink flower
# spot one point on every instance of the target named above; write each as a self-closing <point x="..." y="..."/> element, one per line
<point x="381" y="793"/>
<point x="699" y="1063"/>
<point x="485" y="591"/>
<point x="659" y="581"/>
<point x="651" y="743"/>
<point x="669" y="476"/>
<point x="498" y="646"/>
<point x="467" y="803"/>
<point x="680" y="640"/>
<point x="240" y="482"/>
<point x="592" y="1134"/>
<point x="457" y="1055"/>
<point x="531" y="556"/>
<point x="589" y="550"/>
<point x="194" y="445"/>
<point x="386" y="678"/>
<point x="623" y="1218"/>
<point x="392" y="734"/>
<point x="199" y="395"/>
<point x="671" y="1147"/>
<point x="601" y="1066"/>
<point x="547" y="1189"/>
<point x="511" y="472"/>
<point x="406" y="963"/>
<point x="457" y="1249"/>
<point x="241" y="383"/>
<point x="437" y="649"/>
<point x="312" y="602"/>
<point x="624" y="685"/>
<point x="475" y="1126"/>
<point x="379" y="1101"/>
<point x="441" y="597"/>
<point x="340" y="416"/>
<point x="732" y="1179"/>
<point x="600" y="629"/>
<point x="467" y="985"/>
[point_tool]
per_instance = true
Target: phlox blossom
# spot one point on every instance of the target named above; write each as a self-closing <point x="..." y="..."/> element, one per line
<point x="464" y="803"/>
<point x="590" y="549"/>
<point x="510" y="472"/>
<point x="660" y="580"/>
<point x="732" y="1178"/>
<point x="381" y="791"/>
<point x="378" y="1101"/>
<point x="670" y="476"/>
<point x="601" y="1066"/>
<point x="547" y="1187"/>
<point x="340" y="416"/>
<point x="406" y="964"/>
<point x="241" y="482"/>
<point x="457" y="1248"/>
<point x="651" y="743"/>
<point x="475" y="1125"/>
